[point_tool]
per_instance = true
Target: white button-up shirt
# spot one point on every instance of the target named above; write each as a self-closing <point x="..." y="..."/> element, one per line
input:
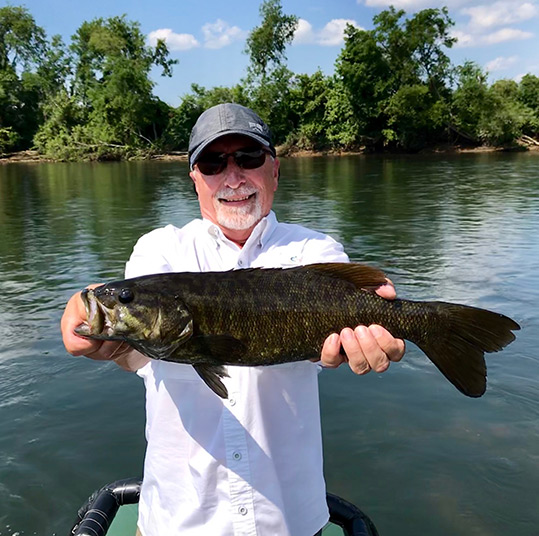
<point x="251" y="464"/>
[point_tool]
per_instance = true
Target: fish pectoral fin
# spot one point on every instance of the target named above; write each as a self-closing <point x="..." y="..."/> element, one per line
<point x="211" y="375"/>
<point x="360" y="275"/>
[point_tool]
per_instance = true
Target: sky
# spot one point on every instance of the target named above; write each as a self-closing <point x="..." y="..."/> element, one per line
<point x="207" y="37"/>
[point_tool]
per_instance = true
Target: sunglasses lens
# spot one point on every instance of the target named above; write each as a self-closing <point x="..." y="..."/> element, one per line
<point x="214" y="163"/>
<point x="211" y="163"/>
<point x="250" y="159"/>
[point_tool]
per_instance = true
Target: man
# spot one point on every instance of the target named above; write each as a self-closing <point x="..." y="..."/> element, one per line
<point x="251" y="464"/>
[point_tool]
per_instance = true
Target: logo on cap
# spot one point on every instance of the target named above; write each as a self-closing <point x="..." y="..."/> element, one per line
<point x="257" y="127"/>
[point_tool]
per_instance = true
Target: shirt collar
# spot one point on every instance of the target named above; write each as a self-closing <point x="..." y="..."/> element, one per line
<point x="262" y="231"/>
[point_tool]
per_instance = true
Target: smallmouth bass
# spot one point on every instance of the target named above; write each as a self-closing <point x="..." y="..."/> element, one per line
<point x="266" y="316"/>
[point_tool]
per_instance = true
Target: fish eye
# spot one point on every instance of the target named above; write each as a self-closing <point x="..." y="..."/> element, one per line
<point x="126" y="295"/>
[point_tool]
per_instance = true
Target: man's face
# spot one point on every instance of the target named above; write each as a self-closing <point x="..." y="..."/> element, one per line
<point x="236" y="199"/>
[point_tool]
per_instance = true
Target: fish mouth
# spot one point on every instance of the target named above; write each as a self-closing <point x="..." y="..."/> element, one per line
<point x="98" y="324"/>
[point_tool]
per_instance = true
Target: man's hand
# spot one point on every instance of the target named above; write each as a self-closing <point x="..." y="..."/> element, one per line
<point x="123" y="354"/>
<point x="366" y="348"/>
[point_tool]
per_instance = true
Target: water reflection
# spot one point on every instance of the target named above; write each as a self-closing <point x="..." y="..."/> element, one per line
<point x="415" y="454"/>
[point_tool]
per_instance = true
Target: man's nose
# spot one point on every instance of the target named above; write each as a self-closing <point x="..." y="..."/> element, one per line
<point x="234" y="175"/>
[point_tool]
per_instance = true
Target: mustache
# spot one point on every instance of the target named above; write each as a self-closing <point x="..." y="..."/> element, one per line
<point x="235" y="192"/>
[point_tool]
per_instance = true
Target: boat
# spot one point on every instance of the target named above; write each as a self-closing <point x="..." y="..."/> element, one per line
<point x="112" y="511"/>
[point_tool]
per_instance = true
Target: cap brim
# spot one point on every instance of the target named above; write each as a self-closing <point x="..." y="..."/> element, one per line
<point x="196" y="153"/>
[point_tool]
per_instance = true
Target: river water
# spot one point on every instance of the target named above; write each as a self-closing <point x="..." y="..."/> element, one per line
<point x="416" y="455"/>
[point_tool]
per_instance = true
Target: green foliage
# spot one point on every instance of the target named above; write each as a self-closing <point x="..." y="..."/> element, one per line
<point x="22" y="42"/>
<point x="8" y="139"/>
<point x="342" y="127"/>
<point x="267" y="43"/>
<point x="308" y="100"/>
<point x="22" y="45"/>
<point x="365" y="76"/>
<point x="268" y="82"/>
<point x="393" y="88"/>
<point x="112" y="112"/>
<point x="493" y="115"/>
<point x="415" y="117"/>
<point x="504" y="116"/>
<point x="397" y="73"/>
<point x="528" y="95"/>
<point x="528" y="92"/>
<point x="271" y="101"/>
<point x="469" y="99"/>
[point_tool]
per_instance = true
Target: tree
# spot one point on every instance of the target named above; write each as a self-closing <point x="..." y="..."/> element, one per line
<point x="111" y="100"/>
<point x="365" y="75"/>
<point x="491" y="115"/>
<point x="528" y="92"/>
<point x="22" y="45"/>
<point x="469" y="100"/>
<point x="267" y="43"/>
<point x="268" y="80"/>
<point x="504" y="115"/>
<point x="528" y="95"/>
<point x="414" y="117"/>
<point x="398" y="62"/>
<point x="308" y="99"/>
<point x="22" y="42"/>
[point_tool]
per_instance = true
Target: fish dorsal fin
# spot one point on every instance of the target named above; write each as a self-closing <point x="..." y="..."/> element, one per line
<point x="360" y="275"/>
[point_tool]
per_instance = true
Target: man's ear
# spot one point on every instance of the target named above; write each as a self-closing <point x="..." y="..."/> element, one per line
<point x="193" y="178"/>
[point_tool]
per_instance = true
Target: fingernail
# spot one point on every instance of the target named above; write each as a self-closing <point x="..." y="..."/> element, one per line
<point x="361" y="331"/>
<point x="376" y="330"/>
<point x="347" y="334"/>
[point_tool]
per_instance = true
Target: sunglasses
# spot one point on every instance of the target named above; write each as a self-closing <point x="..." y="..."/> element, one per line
<point x="213" y="163"/>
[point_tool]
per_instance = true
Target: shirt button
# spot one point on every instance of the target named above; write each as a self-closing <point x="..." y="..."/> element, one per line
<point x="232" y="401"/>
<point x="242" y="510"/>
<point x="240" y="263"/>
<point x="237" y="455"/>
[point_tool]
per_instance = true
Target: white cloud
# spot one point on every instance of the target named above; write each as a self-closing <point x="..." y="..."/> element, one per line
<point x="220" y="34"/>
<point x="467" y="39"/>
<point x="518" y="10"/>
<point x="407" y="5"/>
<point x="464" y="39"/>
<point x="501" y="63"/>
<point x="304" y="34"/>
<point x="174" y="41"/>
<point x="505" y="34"/>
<point x="500" y="13"/>
<point x="332" y="34"/>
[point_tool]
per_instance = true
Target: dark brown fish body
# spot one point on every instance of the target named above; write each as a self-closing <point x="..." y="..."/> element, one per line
<point x="270" y="316"/>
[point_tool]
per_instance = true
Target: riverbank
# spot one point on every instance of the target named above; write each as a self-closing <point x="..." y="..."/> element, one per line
<point x="282" y="151"/>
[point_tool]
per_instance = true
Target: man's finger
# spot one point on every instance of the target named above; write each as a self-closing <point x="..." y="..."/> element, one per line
<point x="393" y="348"/>
<point x="351" y="345"/>
<point x="374" y="355"/>
<point x="387" y="291"/>
<point x="330" y="355"/>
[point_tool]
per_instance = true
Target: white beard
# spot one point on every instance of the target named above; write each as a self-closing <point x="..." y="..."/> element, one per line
<point x="237" y="218"/>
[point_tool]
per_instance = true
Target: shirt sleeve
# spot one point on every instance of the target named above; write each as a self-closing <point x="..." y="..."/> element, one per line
<point x="149" y="255"/>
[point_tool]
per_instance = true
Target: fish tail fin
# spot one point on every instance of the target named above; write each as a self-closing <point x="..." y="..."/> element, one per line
<point x="465" y="335"/>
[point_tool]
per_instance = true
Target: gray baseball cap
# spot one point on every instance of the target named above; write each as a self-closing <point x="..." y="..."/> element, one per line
<point x="223" y="119"/>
